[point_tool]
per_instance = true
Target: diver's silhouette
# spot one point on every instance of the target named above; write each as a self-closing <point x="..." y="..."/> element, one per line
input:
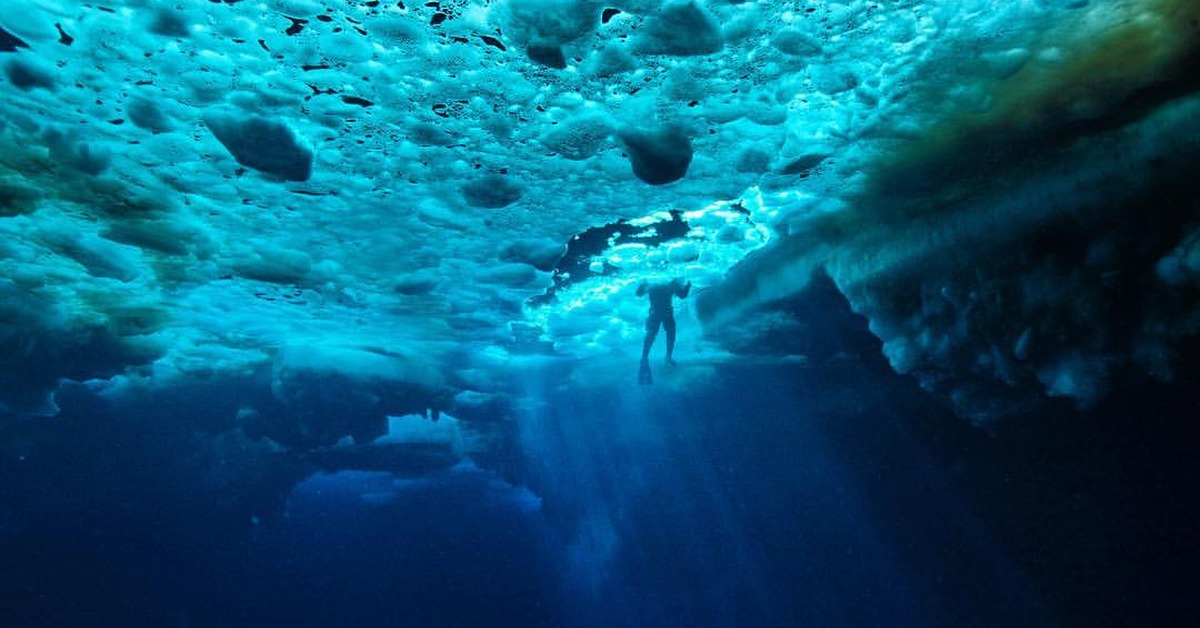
<point x="662" y="313"/>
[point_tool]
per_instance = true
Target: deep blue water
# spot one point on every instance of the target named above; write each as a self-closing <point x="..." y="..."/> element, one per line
<point x="832" y="495"/>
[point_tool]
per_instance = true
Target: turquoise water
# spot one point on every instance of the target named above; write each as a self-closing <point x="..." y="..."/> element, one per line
<point x="322" y="313"/>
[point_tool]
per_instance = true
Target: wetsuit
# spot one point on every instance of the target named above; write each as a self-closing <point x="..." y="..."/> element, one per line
<point x="662" y="313"/>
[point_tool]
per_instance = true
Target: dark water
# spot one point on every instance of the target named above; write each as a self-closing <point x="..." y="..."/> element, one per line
<point x="830" y="495"/>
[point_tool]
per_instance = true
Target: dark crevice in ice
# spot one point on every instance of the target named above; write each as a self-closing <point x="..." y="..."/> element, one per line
<point x="492" y="41"/>
<point x="10" y="42"/>
<point x="547" y="55"/>
<point x="296" y="27"/>
<point x="816" y="323"/>
<point x="64" y="38"/>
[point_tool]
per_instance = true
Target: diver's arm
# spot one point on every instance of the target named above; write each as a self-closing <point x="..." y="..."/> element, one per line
<point x="683" y="292"/>
<point x="641" y="289"/>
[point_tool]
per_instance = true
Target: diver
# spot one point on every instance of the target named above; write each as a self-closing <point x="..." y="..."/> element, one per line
<point x="662" y="313"/>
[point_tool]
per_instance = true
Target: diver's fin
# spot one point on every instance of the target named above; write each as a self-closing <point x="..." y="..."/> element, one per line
<point x="644" y="374"/>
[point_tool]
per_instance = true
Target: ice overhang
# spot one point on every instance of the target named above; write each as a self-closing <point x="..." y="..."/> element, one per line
<point x="186" y="190"/>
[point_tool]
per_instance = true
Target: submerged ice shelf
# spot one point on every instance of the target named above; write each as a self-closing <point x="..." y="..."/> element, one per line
<point x="384" y="195"/>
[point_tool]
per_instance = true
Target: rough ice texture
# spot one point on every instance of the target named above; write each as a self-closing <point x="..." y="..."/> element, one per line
<point x="658" y="157"/>
<point x="680" y="28"/>
<point x="186" y="191"/>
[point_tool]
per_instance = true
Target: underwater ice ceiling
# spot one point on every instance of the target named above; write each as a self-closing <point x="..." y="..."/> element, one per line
<point x="384" y="193"/>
